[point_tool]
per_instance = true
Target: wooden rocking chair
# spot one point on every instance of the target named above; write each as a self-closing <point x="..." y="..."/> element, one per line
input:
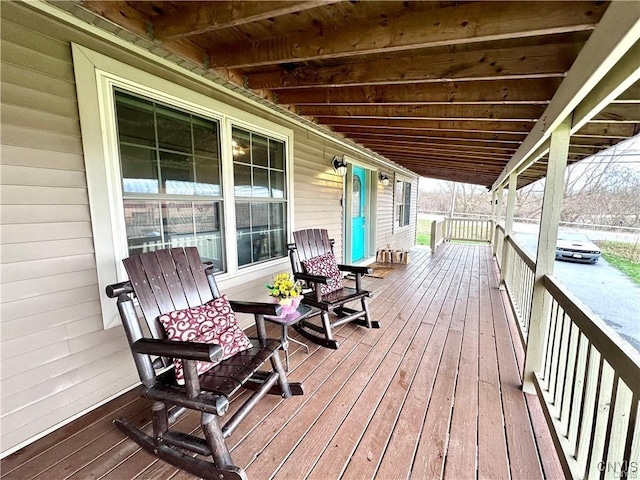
<point x="168" y="283"/>
<point x="312" y="261"/>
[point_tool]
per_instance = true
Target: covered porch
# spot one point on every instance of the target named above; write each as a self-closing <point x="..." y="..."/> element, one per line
<point x="435" y="392"/>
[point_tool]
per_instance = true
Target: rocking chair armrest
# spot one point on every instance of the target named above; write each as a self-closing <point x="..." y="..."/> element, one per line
<point x="256" y="308"/>
<point x="313" y="278"/>
<point x="355" y="269"/>
<point x="205" y="352"/>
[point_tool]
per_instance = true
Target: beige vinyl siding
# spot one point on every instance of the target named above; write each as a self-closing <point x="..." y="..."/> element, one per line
<point x="387" y="234"/>
<point x="57" y="360"/>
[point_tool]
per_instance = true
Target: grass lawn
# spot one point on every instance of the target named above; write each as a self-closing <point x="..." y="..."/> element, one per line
<point x="423" y="236"/>
<point x="624" y="256"/>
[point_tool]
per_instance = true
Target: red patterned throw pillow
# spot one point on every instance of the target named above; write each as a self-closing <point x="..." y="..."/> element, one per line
<point x="213" y="322"/>
<point x="326" y="266"/>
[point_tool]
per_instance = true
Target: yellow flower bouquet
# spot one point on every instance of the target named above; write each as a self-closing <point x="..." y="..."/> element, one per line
<point x="285" y="291"/>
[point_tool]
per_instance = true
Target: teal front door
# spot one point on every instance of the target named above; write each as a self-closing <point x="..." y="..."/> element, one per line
<point x="358" y="211"/>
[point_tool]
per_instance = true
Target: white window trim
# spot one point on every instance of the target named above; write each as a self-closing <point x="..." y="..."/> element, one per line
<point x="96" y="76"/>
<point x="400" y="178"/>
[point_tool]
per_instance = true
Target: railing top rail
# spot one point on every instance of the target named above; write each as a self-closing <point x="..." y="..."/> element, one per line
<point x="523" y="255"/>
<point x="464" y="219"/>
<point x="624" y="360"/>
<point x="500" y="227"/>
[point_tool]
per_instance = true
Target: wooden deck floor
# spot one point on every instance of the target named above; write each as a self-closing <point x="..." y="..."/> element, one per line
<point x="434" y="393"/>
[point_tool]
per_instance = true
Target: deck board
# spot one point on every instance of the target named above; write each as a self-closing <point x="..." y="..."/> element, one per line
<point x="434" y="393"/>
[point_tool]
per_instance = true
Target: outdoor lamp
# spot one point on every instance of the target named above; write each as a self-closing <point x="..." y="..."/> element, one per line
<point x="383" y="179"/>
<point x="340" y="166"/>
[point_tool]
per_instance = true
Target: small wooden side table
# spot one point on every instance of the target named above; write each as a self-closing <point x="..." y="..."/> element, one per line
<point x="303" y="311"/>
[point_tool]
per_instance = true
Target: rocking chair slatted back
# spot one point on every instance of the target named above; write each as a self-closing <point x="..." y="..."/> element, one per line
<point x="167" y="280"/>
<point x="175" y="279"/>
<point x="312" y="243"/>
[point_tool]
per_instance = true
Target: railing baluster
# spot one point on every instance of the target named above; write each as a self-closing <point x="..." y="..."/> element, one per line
<point x="562" y="363"/>
<point x="579" y="394"/>
<point x="631" y="457"/>
<point x="555" y="356"/>
<point x="548" y="357"/>
<point x="589" y="411"/>
<point x="602" y="421"/>
<point x="569" y="380"/>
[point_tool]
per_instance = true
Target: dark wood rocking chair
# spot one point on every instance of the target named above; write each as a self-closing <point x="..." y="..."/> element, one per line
<point x="315" y="243"/>
<point x="174" y="279"/>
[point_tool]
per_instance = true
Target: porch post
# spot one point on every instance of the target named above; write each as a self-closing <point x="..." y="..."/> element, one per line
<point x="547" y="238"/>
<point x="498" y="219"/>
<point x="508" y="224"/>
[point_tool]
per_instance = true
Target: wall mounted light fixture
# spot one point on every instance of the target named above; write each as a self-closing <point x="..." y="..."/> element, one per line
<point x="340" y="166"/>
<point x="383" y="179"/>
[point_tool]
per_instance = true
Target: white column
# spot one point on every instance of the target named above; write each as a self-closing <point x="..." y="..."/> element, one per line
<point x="508" y="224"/>
<point x="498" y="218"/>
<point x="547" y="238"/>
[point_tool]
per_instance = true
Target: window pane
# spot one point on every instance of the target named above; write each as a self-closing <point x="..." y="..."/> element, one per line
<point x="139" y="170"/>
<point x="242" y="180"/>
<point x="276" y="216"/>
<point x="277" y="243"/>
<point x="407" y="203"/>
<point x="207" y="177"/>
<point x="243" y="233"/>
<point x="177" y="219"/>
<point x="355" y="198"/>
<point x="260" y="182"/>
<point x="142" y="221"/>
<point x="241" y="145"/>
<point x="135" y="120"/>
<point x="276" y="154"/>
<point x="176" y="172"/>
<point x="259" y="150"/>
<point x="174" y="129"/>
<point x="277" y="184"/>
<point x="205" y="138"/>
<point x="209" y="233"/>
<point x="259" y="216"/>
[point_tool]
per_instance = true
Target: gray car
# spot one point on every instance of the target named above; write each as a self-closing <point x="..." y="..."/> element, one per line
<point x="577" y="247"/>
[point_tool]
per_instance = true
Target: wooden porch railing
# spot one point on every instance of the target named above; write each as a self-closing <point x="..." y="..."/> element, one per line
<point x="444" y="230"/>
<point x="518" y="280"/>
<point x="477" y="230"/>
<point x="589" y="384"/>
<point x="437" y="234"/>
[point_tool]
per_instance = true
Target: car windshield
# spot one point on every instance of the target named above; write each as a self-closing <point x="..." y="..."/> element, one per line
<point x="573" y="237"/>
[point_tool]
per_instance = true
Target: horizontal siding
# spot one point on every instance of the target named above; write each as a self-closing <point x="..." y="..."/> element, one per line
<point x="398" y="238"/>
<point x="57" y="360"/>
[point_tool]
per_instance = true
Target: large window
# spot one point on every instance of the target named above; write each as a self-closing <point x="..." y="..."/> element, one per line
<point x="171" y="182"/>
<point x="260" y="196"/>
<point x="402" y="200"/>
<point x="168" y="166"/>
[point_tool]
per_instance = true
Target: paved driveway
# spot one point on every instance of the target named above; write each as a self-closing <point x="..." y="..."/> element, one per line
<point x="603" y="288"/>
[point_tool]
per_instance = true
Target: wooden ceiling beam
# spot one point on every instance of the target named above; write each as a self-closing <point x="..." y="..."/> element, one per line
<point x="196" y="18"/>
<point x="608" y="130"/>
<point x="510" y="140"/>
<point x="514" y="63"/>
<point x="467" y="23"/>
<point x="123" y="14"/>
<point x="489" y="91"/>
<point x="435" y="155"/>
<point x="443" y="143"/>
<point x="416" y="147"/>
<point x="619" y="112"/>
<point x="518" y="129"/>
<point x="433" y="112"/>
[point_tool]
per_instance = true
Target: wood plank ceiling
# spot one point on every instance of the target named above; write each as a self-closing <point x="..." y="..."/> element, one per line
<point x="446" y="89"/>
